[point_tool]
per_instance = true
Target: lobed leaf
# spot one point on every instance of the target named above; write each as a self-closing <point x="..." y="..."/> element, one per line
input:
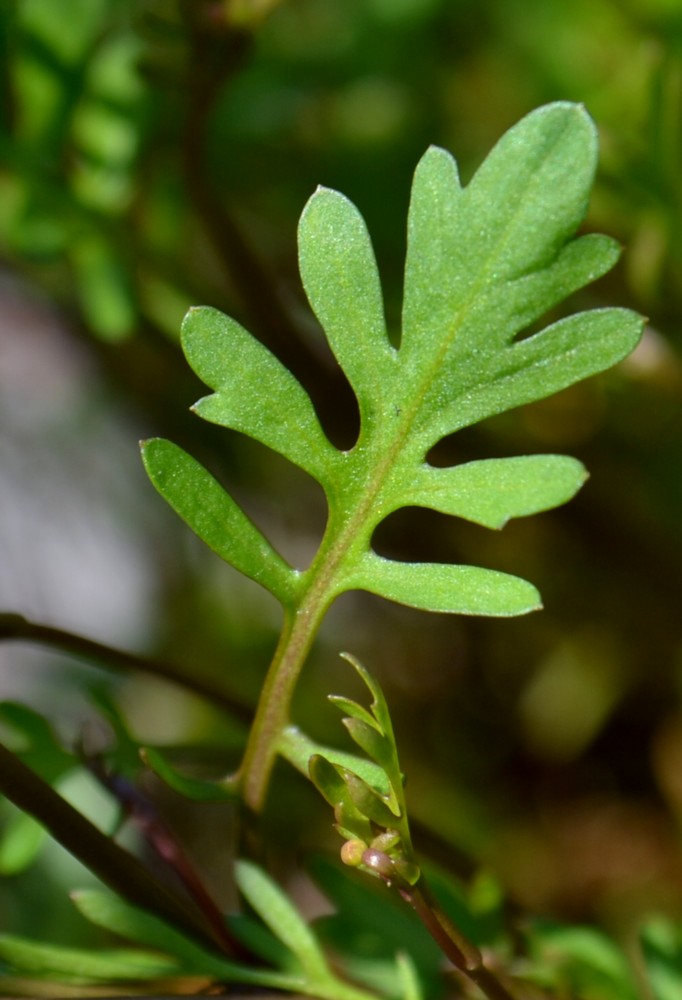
<point x="484" y="263"/>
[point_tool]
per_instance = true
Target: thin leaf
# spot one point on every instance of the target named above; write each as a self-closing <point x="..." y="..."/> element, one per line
<point x="276" y="911"/>
<point x="330" y="782"/>
<point x="379" y="705"/>
<point x="85" y="966"/>
<point x="212" y="513"/>
<point x="196" y="789"/>
<point x="108" y="911"/>
<point x="368" y="801"/>
<point x="355" y="711"/>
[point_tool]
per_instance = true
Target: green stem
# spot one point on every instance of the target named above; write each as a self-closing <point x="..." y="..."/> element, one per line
<point x="272" y="715"/>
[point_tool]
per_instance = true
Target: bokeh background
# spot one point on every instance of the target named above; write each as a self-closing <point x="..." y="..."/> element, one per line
<point x="156" y="154"/>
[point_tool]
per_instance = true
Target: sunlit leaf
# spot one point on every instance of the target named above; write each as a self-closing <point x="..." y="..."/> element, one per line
<point x="200" y="501"/>
<point x="484" y="262"/>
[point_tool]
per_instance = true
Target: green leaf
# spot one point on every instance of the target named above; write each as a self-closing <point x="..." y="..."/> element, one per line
<point x="212" y="513"/>
<point x="191" y="788"/>
<point x="341" y="280"/>
<point x="369" y="802"/>
<point x="276" y="911"/>
<point x="76" y="965"/>
<point x="411" y="987"/>
<point x="492" y="491"/>
<point x="255" y="393"/>
<point x="484" y="263"/>
<point x="42" y="751"/>
<point x="465" y="590"/>
<point x="108" y="911"/>
<point x="21" y="839"/>
<point x="298" y="748"/>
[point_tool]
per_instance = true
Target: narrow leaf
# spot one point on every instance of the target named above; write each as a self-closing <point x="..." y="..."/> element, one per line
<point x="354" y="710"/>
<point x="379" y="705"/>
<point x="212" y="513"/>
<point x="330" y="782"/>
<point x="52" y="961"/>
<point x="196" y="789"/>
<point x="107" y="911"/>
<point x="255" y="393"/>
<point x="492" y="491"/>
<point x="275" y="910"/>
<point x="375" y="744"/>
<point x="466" y="590"/>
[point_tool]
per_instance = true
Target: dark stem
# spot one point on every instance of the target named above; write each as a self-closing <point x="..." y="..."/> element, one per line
<point x="463" y="954"/>
<point x="115" y="867"/>
<point x="16" y="628"/>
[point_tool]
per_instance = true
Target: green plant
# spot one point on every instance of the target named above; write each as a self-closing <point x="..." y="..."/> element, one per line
<point x="485" y="263"/>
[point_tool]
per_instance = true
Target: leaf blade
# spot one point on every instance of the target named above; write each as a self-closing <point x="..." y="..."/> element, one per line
<point x="254" y="392"/>
<point x="469" y="590"/>
<point x="215" y="517"/>
<point x="492" y="491"/>
<point x="341" y="281"/>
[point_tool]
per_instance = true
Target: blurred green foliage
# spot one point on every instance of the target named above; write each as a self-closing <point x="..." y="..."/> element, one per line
<point x="155" y="155"/>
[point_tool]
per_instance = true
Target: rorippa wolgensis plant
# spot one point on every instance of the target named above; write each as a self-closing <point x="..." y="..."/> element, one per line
<point x="485" y="262"/>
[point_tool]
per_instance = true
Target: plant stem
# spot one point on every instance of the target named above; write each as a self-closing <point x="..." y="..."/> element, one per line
<point x="463" y="953"/>
<point x="272" y="714"/>
<point x="16" y="628"/>
<point x="115" y="867"/>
